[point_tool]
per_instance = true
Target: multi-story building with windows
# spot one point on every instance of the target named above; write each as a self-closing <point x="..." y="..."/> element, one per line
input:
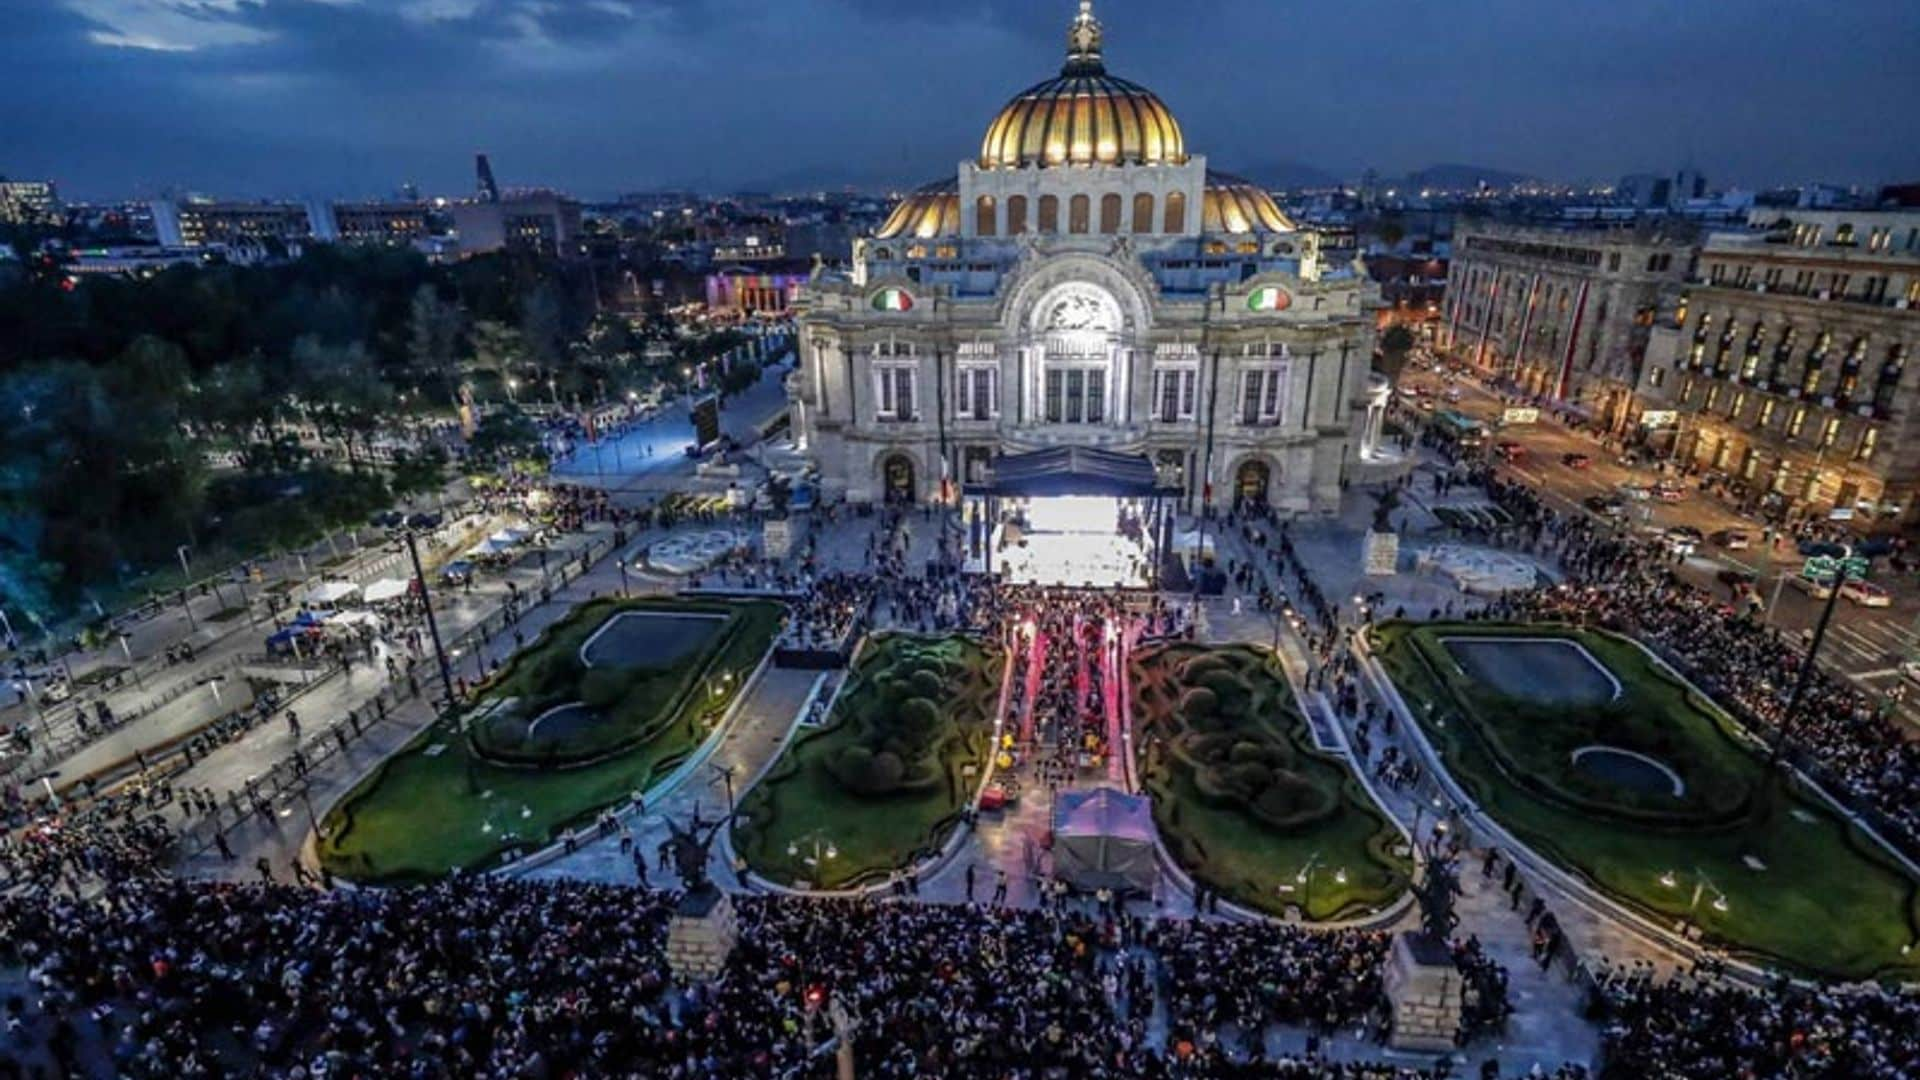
<point x="1563" y="314"/>
<point x="1085" y="281"/>
<point x="1788" y="364"/>
<point x="28" y="202"/>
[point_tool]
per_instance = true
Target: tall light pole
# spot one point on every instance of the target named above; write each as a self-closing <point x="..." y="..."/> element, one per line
<point x="1865" y="550"/>
<point x="433" y="626"/>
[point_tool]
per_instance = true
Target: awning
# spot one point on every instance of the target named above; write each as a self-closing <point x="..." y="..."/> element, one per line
<point x="331" y="592"/>
<point x="385" y="589"/>
<point x="1073" y="470"/>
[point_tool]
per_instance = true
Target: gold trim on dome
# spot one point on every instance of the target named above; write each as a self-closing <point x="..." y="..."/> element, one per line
<point x="1084" y="116"/>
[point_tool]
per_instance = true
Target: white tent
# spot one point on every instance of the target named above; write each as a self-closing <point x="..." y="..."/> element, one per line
<point x="385" y="589"/>
<point x="1186" y="542"/>
<point x="1104" y="837"/>
<point x="507" y="538"/>
<point x="488" y="549"/>
<point x="331" y="593"/>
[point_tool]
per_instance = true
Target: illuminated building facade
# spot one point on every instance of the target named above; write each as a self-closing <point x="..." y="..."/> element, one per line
<point x="1086" y="281"/>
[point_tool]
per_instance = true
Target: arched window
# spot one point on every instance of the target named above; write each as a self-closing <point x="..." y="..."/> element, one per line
<point x="983" y="216"/>
<point x="1016" y="214"/>
<point x="1079" y="213"/>
<point x="1049" y="214"/>
<point x="1176" y="222"/>
<point x="1143" y="213"/>
<point x="1109" y="214"/>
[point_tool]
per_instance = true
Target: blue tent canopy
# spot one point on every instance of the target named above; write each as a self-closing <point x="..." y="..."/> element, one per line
<point x="1073" y="470"/>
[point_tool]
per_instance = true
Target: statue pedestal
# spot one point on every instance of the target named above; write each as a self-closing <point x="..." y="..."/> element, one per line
<point x="1380" y="554"/>
<point x="701" y="935"/>
<point x="776" y="538"/>
<point x="1423" y="988"/>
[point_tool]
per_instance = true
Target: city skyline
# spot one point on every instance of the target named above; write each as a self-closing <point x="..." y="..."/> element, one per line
<point x="301" y="97"/>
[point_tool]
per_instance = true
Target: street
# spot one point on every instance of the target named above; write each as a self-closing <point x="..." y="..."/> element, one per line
<point x="1865" y="644"/>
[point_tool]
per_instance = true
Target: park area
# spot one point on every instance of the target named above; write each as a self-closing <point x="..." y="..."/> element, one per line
<point x="1245" y="801"/>
<point x="883" y="782"/>
<point x="605" y="703"/>
<point x="1593" y="753"/>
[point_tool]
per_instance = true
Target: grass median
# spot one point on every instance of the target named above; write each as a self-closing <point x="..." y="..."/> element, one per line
<point x="1740" y="855"/>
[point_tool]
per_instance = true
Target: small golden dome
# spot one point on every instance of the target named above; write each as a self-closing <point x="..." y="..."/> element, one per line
<point x="1083" y="116"/>
<point x="932" y="210"/>
<point x="1238" y="206"/>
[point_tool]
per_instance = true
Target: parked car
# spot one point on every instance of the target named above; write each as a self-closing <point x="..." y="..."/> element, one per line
<point x="1866" y="594"/>
<point x="457" y="572"/>
<point x="1509" y="451"/>
<point x="1670" y="491"/>
<point x="1732" y="539"/>
<point x="1452" y="394"/>
<point x="388" y="519"/>
<point x="424" y="520"/>
<point x="1575" y="460"/>
<point x="1736" y="576"/>
<point x="1636" y="492"/>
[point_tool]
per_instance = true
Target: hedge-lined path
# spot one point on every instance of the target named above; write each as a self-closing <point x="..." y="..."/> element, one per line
<point x="755" y="737"/>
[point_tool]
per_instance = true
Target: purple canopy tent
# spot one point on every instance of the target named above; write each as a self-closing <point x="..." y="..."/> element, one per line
<point x="1104" y="837"/>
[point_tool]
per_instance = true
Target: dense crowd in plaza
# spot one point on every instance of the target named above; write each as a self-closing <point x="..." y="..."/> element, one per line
<point x="486" y="977"/>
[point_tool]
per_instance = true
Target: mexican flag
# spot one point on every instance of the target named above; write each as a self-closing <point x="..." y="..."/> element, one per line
<point x="1268" y="298"/>
<point x="892" y="300"/>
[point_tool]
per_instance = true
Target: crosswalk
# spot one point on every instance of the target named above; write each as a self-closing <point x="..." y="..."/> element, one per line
<point x="1875" y="643"/>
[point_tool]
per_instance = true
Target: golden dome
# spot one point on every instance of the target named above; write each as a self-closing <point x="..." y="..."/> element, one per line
<point x="933" y="210"/>
<point x="1233" y="206"/>
<point x="1084" y="116"/>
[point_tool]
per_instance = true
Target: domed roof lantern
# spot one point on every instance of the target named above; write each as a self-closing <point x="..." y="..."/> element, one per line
<point x="1083" y="44"/>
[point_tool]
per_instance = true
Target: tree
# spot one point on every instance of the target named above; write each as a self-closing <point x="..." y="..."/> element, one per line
<point x="434" y="328"/>
<point x="1396" y="343"/>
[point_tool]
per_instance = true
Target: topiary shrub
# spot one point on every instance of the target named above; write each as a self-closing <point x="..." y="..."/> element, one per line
<point x="1198" y="705"/>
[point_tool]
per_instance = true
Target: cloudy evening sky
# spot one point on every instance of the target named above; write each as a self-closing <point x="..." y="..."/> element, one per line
<point x="352" y="97"/>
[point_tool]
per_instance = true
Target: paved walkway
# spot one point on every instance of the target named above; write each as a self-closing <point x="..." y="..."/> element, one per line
<point x="750" y="743"/>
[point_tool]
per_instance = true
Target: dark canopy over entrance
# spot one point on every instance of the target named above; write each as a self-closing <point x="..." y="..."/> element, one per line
<point x="1072" y="470"/>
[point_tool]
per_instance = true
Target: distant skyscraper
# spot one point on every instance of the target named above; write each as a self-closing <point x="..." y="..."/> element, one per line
<point x="489" y="191"/>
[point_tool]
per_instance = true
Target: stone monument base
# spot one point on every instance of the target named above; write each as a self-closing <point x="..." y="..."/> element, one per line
<point x="1423" y="988"/>
<point x="776" y="538"/>
<point x="701" y="935"/>
<point x="1380" y="554"/>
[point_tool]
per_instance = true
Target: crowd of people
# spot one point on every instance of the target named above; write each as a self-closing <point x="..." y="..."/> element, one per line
<point x="1689" y="1028"/>
<point x="482" y="977"/>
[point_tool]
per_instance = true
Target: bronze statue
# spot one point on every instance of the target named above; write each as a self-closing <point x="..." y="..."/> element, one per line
<point x="1385" y="502"/>
<point x="689" y="850"/>
<point x="1435" y="895"/>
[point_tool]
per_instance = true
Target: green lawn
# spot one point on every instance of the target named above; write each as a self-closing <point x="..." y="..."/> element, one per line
<point x="877" y="819"/>
<point x="438" y="806"/>
<point x="1244" y="800"/>
<point x="1779" y="876"/>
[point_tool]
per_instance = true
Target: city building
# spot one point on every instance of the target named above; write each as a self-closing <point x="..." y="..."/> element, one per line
<point x="762" y="289"/>
<point x="28" y="202"/>
<point x="1786" y="368"/>
<point x="1563" y="314"/>
<point x="194" y="223"/>
<point x="371" y="222"/>
<point x="1086" y="282"/>
<point x="544" y="222"/>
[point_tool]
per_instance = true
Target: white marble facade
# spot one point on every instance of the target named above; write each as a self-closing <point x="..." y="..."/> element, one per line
<point x="1133" y="301"/>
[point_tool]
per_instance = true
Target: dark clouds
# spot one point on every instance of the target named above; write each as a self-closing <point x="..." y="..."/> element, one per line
<point x="297" y="97"/>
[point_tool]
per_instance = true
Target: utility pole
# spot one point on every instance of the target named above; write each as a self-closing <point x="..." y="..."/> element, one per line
<point x="433" y="627"/>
